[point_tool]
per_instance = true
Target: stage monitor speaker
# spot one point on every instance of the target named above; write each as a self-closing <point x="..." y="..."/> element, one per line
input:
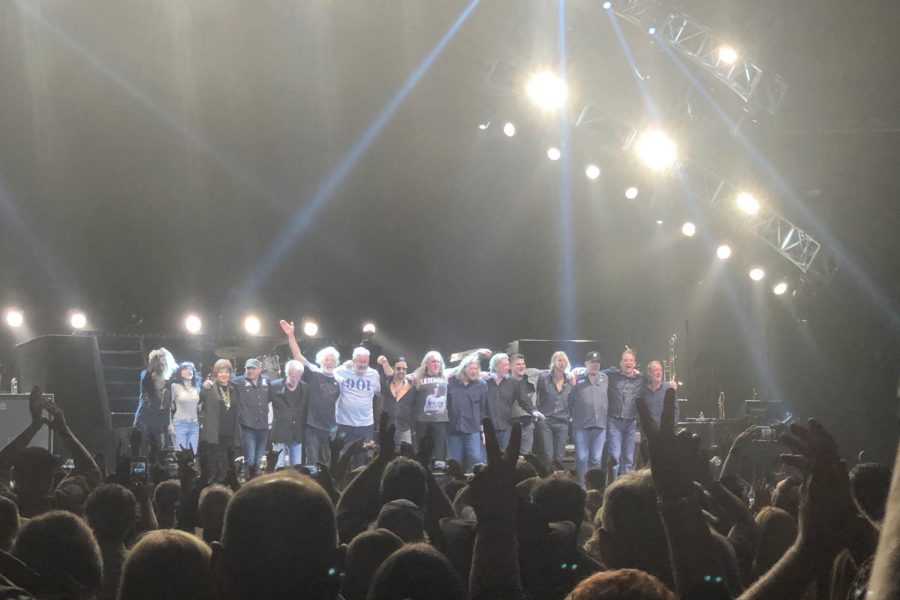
<point x="15" y="417"/>
<point x="63" y="365"/>
<point x="538" y="352"/>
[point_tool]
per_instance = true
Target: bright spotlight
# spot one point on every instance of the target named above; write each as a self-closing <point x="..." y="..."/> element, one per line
<point x="310" y="328"/>
<point x="727" y="55"/>
<point x="14" y="317"/>
<point x="252" y="325"/>
<point x="592" y="171"/>
<point x="77" y="319"/>
<point x="369" y="328"/>
<point x="509" y="130"/>
<point x="659" y="221"/>
<point x="631" y="193"/>
<point x="655" y="149"/>
<point x="780" y="288"/>
<point x="756" y="274"/>
<point x="547" y="90"/>
<point x="193" y="324"/>
<point x="689" y="229"/>
<point x="723" y="251"/>
<point x="553" y="153"/>
<point x="607" y="5"/>
<point x="484" y="125"/>
<point x="651" y="30"/>
<point x="748" y="203"/>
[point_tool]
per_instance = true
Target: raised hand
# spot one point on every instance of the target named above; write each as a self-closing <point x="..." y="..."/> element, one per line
<point x="36" y="404"/>
<point x="59" y="418"/>
<point x="382" y="360"/>
<point x="287" y="328"/>
<point x="671" y="457"/>
<point x="493" y="489"/>
<point x="272" y="459"/>
<point x="746" y="437"/>
<point x="825" y="501"/>
<point x="387" y="449"/>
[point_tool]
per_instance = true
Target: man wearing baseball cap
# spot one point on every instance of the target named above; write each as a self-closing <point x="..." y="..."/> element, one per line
<point x="588" y="405"/>
<point x="253" y="413"/>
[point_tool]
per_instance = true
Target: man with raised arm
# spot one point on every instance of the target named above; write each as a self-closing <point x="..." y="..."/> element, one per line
<point x="324" y="391"/>
<point x="360" y="385"/>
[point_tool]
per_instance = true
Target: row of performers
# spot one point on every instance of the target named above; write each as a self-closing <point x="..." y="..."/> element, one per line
<point x="316" y="400"/>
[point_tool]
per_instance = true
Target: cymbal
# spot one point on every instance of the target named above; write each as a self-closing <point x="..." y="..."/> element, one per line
<point x="235" y="352"/>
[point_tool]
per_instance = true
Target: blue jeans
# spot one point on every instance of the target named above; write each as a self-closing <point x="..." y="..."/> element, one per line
<point x="187" y="434"/>
<point x="366" y="432"/>
<point x="554" y="435"/>
<point x="318" y="449"/>
<point x="464" y="448"/>
<point x="294" y="450"/>
<point x="254" y="443"/>
<point x="588" y="449"/>
<point x="503" y="438"/>
<point x="621" y="434"/>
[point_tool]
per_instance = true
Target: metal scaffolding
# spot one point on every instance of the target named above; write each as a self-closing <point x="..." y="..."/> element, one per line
<point x="760" y="88"/>
<point x="707" y="186"/>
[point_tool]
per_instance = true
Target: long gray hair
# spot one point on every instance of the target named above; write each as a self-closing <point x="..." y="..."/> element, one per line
<point x="422" y="371"/>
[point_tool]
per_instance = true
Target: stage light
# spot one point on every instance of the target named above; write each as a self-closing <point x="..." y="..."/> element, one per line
<point x="659" y="221"/>
<point x="14" y="317"/>
<point x="310" y="328"/>
<point x="723" y="251"/>
<point x="547" y="90"/>
<point x="780" y="288"/>
<point x="651" y="30"/>
<point x="77" y="319"/>
<point x="484" y="125"/>
<point x="655" y="149"/>
<point x="756" y="274"/>
<point x="368" y="328"/>
<point x="748" y="203"/>
<point x="689" y="229"/>
<point x="553" y="153"/>
<point x="592" y="171"/>
<point x="607" y="5"/>
<point x="193" y="324"/>
<point x="727" y="55"/>
<point x="252" y="325"/>
<point x="631" y="193"/>
<point x="509" y="130"/>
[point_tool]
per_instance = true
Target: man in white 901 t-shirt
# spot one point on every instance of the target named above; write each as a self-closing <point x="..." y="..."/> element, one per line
<point x="355" y="410"/>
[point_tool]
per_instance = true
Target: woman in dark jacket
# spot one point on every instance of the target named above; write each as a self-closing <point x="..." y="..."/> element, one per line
<point x="218" y="411"/>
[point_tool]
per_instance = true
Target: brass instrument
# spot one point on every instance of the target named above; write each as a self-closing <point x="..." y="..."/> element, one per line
<point x="669" y="364"/>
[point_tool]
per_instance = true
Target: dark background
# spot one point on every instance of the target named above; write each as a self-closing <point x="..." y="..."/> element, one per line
<point x="160" y="158"/>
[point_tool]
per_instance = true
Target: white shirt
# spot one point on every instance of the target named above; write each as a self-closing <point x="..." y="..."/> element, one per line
<point x="355" y="404"/>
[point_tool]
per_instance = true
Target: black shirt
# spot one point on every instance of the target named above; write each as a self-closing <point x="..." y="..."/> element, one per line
<point x="466" y="405"/>
<point x="323" y="396"/>
<point x="288" y="412"/>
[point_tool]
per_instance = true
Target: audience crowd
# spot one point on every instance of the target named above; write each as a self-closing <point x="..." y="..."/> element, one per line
<point x="393" y="528"/>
